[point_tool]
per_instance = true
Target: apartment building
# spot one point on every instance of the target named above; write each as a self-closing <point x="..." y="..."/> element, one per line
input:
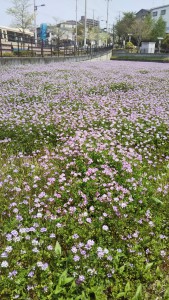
<point x="156" y="12"/>
<point x="162" y="11"/>
<point x="89" y="22"/>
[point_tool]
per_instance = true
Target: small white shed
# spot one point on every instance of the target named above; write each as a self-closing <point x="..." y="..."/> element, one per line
<point x="147" y="47"/>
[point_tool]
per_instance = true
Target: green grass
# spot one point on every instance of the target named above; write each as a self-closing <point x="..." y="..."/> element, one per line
<point x="140" y="58"/>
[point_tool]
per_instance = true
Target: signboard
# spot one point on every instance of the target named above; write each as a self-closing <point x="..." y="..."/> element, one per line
<point x="43" y="31"/>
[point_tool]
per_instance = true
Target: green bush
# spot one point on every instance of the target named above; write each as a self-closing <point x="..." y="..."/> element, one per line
<point x="129" y="45"/>
<point x="25" y="53"/>
<point x="140" y="58"/>
<point x="165" y="43"/>
<point x="7" y="54"/>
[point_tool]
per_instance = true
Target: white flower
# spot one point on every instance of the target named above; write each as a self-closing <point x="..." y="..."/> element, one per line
<point x="39" y="215"/>
<point x="105" y="227"/>
<point x="106" y="251"/>
<point x="163" y="253"/>
<point x="8" y="249"/>
<point x="4" y="254"/>
<point x="4" y="264"/>
<point x="90" y="242"/>
<point x="39" y="264"/>
<point x="74" y="249"/>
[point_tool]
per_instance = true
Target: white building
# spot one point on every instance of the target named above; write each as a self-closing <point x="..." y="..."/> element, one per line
<point x="62" y="31"/>
<point x="147" y="47"/>
<point x="162" y="11"/>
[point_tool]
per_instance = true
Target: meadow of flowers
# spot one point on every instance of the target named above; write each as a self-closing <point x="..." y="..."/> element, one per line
<point x="84" y="198"/>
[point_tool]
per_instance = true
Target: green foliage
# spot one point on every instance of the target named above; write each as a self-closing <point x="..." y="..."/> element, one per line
<point x="115" y="86"/>
<point x="165" y="42"/>
<point x="123" y="26"/>
<point x="142" y="29"/>
<point x="80" y="33"/>
<point x="84" y="184"/>
<point x="63" y="280"/>
<point x="166" y="294"/>
<point x="25" y="53"/>
<point x="129" y="45"/>
<point x="58" y="250"/>
<point x="138" y="294"/>
<point x="25" y="140"/>
<point x="158" y="29"/>
<point x="148" y="26"/>
<point x="7" y="54"/>
<point x="138" y="57"/>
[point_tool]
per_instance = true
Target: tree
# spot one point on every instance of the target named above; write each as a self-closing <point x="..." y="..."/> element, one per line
<point x="93" y="34"/>
<point x="96" y="35"/>
<point x="165" y="43"/>
<point x="80" y="33"/>
<point x="20" y="12"/>
<point x="123" y="26"/>
<point x="146" y="29"/>
<point x="158" y="29"/>
<point x="58" y="33"/>
<point x="104" y="37"/>
<point x="141" y="29"/>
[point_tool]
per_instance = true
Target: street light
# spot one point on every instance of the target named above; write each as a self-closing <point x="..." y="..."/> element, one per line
<point x="35" y="28"/>
<point x="129" y="35"/>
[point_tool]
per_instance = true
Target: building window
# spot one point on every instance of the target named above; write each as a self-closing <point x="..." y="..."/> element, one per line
<point x="155" y="13"/>
<point x="163" y="12"/>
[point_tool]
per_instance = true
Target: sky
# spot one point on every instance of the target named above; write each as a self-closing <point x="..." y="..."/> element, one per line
<point x="64" y="10"/>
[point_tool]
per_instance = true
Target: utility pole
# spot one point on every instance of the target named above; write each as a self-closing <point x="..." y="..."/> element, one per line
<point x="107" y="20"/>
<point x="85" y="24"/>
<point x="76" y="25"/>
<point x="93" y="17"/>
<point x="35" y="26"/>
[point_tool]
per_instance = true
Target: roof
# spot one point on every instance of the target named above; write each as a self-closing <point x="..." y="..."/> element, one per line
<point x="27" y="31"/>
<point x="158" y="7"/>
<point x="143" y="10"/>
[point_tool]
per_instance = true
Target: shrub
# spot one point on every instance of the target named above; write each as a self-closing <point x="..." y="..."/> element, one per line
<point x="7" y="54"/>
<point x="25" y="53"/>
<point x="129" y="45"/>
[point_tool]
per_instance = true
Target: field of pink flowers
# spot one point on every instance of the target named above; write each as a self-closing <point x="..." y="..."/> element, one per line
<point x="84" y="198"/>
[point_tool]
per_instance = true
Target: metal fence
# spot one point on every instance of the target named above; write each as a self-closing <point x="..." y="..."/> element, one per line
<point x="22" y="48"/>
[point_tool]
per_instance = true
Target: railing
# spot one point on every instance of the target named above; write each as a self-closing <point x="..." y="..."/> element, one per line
<point x="22" y="49"/>
<point x="5" y="48"/>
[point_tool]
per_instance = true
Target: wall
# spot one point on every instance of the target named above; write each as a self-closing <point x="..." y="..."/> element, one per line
<point x="47" y="60"/>
<point x="104" y="57"/>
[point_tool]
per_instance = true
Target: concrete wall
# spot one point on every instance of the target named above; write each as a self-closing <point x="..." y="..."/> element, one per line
<point x="104" y="57"/>
<point x="47" y="60"/>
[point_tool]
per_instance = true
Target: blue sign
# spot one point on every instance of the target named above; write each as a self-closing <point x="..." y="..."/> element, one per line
<point x="43" y="31"/>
